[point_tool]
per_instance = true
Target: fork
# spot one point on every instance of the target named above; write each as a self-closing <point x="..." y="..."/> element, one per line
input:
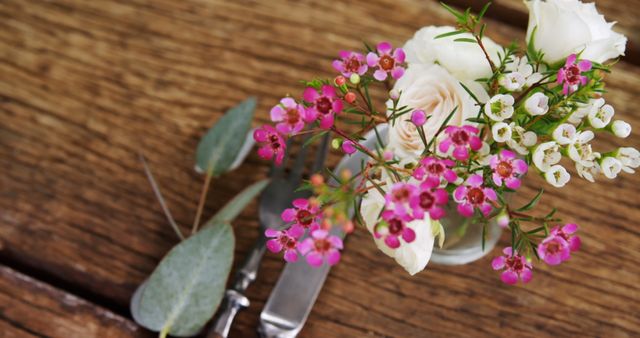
<point x="276" y="197"/>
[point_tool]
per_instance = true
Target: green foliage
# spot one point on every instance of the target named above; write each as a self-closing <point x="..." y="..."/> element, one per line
<point x="186" y="288"/>
<point x="219" y="147"/>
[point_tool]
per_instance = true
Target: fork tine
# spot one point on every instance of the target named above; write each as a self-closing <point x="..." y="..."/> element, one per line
<point x="298" y="166"/>
<point x="321" y="156"/>
<point x="277" y="170"/>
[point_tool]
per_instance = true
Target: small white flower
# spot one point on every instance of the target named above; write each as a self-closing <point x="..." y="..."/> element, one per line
<point x="557" y="176"/>
<point x="601" y="114"/>
<point x="521" y="139"/>
<point x="521" y="66"/>
<point x="545" y="155"/>
<point x="564" y="134"/>
<point x="512" y="81"/>
<point x="611" y="167"/>
<point x="630" y="159"/>
<point x="588" y="173"/>
<point x="499" y="107"/>
<point x="621" y="129"/>
<point x="580" y="150"/>
<point x="501" y="132"/>
<point x="580" y="113"/>
<point x="537" y="104"/>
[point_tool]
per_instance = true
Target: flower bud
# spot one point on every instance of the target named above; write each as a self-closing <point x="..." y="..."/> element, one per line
<point x="317" y="180"/>
<point x="348" y="227"/>
<point x="336" y="143"/>
<point x="418" y="117"/>
<point x="621" y="128"/>
<point x="340" y="80"/>
<point x="350" y="97"/>
<point x="503" y="219"/>
<point x="394" y="94"/>
<point x="354" y="78"/>
<point x="348" y="147"/>
<point x="537" y="104"/>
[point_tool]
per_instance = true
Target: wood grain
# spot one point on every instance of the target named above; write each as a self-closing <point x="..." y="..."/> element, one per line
<point x="33" y="309"/>
<point x="87" y="85"/>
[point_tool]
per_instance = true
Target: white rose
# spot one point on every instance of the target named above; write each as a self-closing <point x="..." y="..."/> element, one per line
<point x="432" y="89"/>
<point x="464" y="60"/>
<point x="557" y="176"/>
<point x="563" y="27"/>
<point x="413" y="256"/>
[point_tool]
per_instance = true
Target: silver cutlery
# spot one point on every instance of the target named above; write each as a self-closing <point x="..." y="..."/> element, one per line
<point x="296" y="291"/>
<point x="276" y="197"/>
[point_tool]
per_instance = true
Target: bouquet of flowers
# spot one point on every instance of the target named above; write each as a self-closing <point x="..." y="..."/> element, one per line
<point x="466" y="119"/>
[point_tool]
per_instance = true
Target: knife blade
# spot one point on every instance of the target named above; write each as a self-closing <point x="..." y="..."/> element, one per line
<point x="299" y="285"/>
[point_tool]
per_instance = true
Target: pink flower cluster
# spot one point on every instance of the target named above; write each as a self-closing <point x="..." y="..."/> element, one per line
<point x="323" y="104"/>
<point x="319" y="247"/>
<point x="553" y="250"/>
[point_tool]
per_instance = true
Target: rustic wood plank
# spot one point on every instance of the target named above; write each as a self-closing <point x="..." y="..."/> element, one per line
<point x="625" y="14"/>
<point x="87" y="85"/>
<point x="31" y="308"/>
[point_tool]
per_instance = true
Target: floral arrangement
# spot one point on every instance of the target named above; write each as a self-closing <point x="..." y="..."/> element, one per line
<point x="467" y="120"/>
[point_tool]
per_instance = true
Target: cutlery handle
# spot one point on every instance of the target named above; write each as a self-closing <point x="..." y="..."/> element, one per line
<point x="234" y="298"/>
<point x="234" y="301"/>
<point x="249" y="270"/>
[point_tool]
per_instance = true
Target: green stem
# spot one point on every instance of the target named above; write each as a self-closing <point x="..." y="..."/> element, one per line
<point x="203" y="195"/>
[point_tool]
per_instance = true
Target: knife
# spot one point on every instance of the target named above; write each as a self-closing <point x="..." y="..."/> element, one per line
<point x="299" y="284"/>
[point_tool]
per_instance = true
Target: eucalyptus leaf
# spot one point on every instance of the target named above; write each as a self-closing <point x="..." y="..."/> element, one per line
<point x="186" y="288"/>
<point x="231" y="210"/>
<point x="219" y="148"/>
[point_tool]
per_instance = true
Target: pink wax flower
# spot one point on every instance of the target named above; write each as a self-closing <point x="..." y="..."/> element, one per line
<point x="348" y="147"/>
<point x="289" y="116"/>
<point x="271" y="143"/>
<point x="387" y="60"/>
<point x="393" y="228"/>
<point x="433" y="169"/>
<point x="304" y="213"/>
<point x="461" y="138"/>
<point x="399" y="197"/>
<point x="557" y="247"/>
<point x="321" y="247"/>
<point x="324" y="105"/>
<point x="473" y="195"/>
<point x="419" y="117"/>
<point x="429" y="198"/>
<point x="285" y="239"/>
<point x="515" y="267"/>
<point x="508" y="169"/>
<point x="350" y="63"/>
<point x="570" y="75"/>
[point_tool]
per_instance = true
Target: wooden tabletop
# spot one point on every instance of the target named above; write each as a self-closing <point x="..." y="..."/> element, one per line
<point x="87" y="85"/>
